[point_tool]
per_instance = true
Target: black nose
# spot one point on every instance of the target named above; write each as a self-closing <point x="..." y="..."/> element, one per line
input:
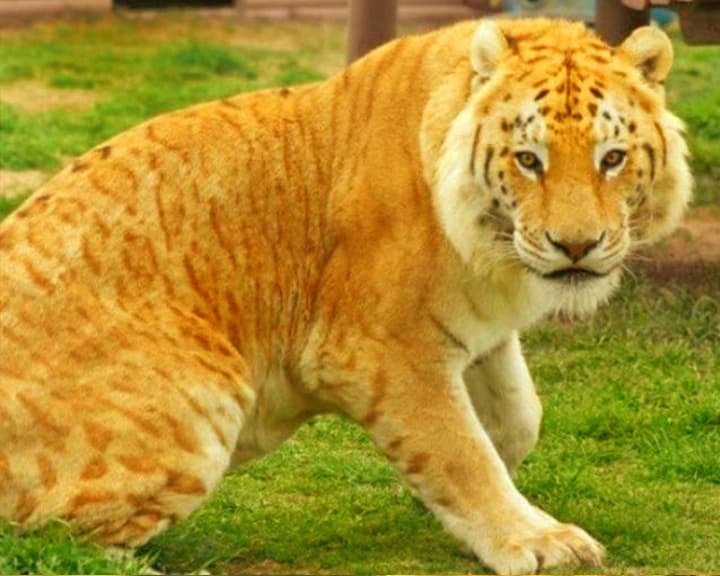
<point x="574" y="250"/>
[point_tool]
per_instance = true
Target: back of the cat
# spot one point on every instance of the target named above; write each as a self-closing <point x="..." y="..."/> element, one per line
<point x="133" y="288"/>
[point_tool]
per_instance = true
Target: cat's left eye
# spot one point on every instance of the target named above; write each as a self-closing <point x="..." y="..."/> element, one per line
<point x="612" y="159"/>
<point x="529" y="161"/>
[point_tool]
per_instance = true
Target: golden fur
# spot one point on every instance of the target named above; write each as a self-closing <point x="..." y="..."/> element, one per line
<point x="185" y="295"/>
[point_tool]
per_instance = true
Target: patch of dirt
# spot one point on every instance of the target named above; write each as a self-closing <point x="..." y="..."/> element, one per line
<point x="695" y="276"/>
<point x="33" y="96"/>
<point x="14" y="183"/>
<point x="698" y="239"/>
<point x="691" y="256"/>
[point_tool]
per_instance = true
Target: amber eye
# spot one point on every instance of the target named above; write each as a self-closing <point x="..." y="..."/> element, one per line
<point x="612" y="159"/>
<point x="529" y="161"/>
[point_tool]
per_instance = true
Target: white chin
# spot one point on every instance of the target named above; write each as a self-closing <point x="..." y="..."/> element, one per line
<point x="579" y="299"/>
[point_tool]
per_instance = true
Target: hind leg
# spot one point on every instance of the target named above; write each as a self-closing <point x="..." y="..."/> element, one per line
<point x="124" y="446"/>
<point x="504" y="398"/>
<point x="154" y="478"/>
<point x="163" y="467"/>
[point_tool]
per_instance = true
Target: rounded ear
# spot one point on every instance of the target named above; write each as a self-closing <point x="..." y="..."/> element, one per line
<point x="651" y="51"/>
<point x="487" y="48"/>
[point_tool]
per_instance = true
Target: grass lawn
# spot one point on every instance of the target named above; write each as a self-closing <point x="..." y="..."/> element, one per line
<point x="631" y="442"/>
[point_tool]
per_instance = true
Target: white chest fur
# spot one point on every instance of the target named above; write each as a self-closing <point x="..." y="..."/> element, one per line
<point x="486" y="311"/>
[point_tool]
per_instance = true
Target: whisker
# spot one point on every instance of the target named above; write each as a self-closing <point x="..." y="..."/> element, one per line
<point x="638" y="258"/>
<point x="625" y="268"/>
<point x="495" y="217"/>
<point x="504" y="235"/>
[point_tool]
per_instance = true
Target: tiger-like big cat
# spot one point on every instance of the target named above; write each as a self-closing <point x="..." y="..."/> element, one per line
<point x="185" y="295"/>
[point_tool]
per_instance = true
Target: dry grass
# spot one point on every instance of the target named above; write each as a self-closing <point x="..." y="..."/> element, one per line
<point x="34" y="97"/>
<point x="15" y="183"/>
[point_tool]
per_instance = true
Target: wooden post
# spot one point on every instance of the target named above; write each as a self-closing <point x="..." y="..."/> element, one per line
<point x="700" y="21"/>
<point x="614" y="21"/>
<point x="371" y="23"/>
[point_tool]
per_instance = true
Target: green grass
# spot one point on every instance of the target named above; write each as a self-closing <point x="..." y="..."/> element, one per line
<point x="7" y="205"/>
<point x="631" y="441"/>
<point x="54" y="551"/>
<point x="136" y="70"/>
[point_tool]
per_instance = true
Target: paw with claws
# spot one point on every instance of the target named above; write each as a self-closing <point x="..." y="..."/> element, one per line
<point x="557" y="545"/>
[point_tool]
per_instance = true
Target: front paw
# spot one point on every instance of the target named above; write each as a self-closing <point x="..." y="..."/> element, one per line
<point x="531" y="551"/>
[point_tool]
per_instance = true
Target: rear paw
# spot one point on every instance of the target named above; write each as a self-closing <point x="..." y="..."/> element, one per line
<point x="558" y="545"/>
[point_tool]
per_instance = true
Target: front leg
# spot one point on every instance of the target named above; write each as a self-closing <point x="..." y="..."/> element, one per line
<point x="419" y="412"/>
<point x="504" y="397"/>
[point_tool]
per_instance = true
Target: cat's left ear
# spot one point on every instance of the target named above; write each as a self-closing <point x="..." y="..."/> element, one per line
<point x="487" y="49"/>
<point x="649" y="49"/>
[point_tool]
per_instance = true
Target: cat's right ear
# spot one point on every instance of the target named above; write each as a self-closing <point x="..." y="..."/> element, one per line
<point x="487" y="48"/>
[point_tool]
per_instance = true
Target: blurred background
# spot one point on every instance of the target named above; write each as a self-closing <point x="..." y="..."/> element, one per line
<point x="428" y="10"/>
